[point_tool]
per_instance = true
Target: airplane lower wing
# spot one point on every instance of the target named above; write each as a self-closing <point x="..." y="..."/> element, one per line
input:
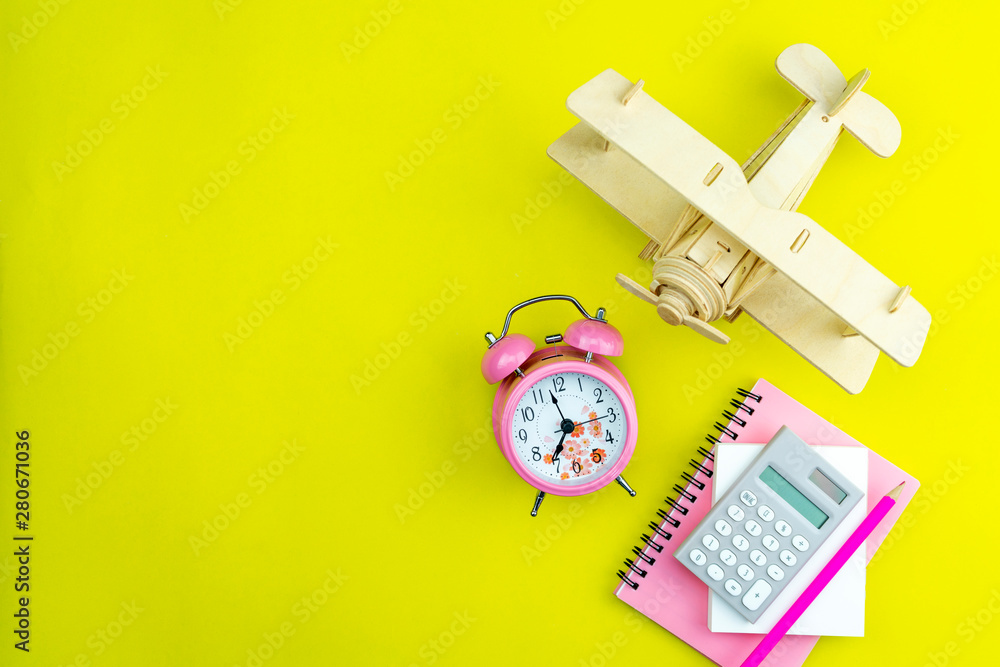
<point x="812" y="330"/>
<point x="711" y="181"/>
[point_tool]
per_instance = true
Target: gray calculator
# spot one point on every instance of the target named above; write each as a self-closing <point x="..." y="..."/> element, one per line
<point x="768" y="524"/>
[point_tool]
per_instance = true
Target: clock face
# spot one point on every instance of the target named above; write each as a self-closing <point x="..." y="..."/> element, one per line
<point x="569" y="428"/>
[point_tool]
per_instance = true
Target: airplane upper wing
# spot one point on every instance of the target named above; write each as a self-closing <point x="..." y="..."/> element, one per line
<point x="635" y="192"/>
<point x="780" y="306"/>
<point x="856" y="292"/>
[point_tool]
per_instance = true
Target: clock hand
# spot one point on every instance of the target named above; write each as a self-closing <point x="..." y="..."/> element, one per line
<point x="559" y="447"/>
<point x="566" y="425"/>
<point x="586" y="422"/>
<point x="556" y="403"/>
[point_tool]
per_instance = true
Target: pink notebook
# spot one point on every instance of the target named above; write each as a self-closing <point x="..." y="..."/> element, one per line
<point x="670" y="594"/>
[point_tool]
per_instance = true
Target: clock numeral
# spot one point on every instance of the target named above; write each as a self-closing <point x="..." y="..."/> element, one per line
<point x="595" y="455"/>
<point x="535" y="454"/>
<point x="528" y="414"/>
<point x="579" y="381"/>
<point x="538" y="396"/>
<point x="523" y="435"/>
<point x="611" y="415"/>
<point x="577" y="468"/>
<point x="597" y="393"/>
<point x="609" y="438"/>
<point x="558" y="384"/>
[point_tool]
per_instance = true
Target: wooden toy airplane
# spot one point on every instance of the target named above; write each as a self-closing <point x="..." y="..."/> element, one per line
<point x="725" y="238"/>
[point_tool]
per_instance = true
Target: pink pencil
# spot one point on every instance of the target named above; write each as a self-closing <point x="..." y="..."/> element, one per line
<point x="856" y="539"/>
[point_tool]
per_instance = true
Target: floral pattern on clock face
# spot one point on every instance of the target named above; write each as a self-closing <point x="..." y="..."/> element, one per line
<point x="594" y="419"/>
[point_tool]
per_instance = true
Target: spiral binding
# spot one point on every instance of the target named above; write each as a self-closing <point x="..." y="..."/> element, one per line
<point x="639" y="567"/>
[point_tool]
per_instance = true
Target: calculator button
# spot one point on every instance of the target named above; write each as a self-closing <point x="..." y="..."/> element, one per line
<point x="727" y="557"/>
<point x="735" y="513"/>
<point x="770" y="542"/>
<point x="733" y="587"/>
<point x="758" y="557"/>
<point x="756" y="595"/>
<point x="741" y="542"/>
<point x="697" y="557"/>
<point x="723" y="528"/>
<point x="783" y="528"/>
<point x="715" y="572"/>
<point x="787" y="557"/>
<point x="745" y="572"/>
<point x="711" y="542"/>
<point x="748" y="498"/>
<point x="753" y="527"/>
<point x="775" y="572"/>
<point x="765" y="512"/>
<point x="800" y="543"/>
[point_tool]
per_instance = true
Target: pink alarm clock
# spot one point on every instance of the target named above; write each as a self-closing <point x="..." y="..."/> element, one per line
<point x="564" y="416"/>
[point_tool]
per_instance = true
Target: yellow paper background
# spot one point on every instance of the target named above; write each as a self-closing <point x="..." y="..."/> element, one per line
<point x="421" y="269"/>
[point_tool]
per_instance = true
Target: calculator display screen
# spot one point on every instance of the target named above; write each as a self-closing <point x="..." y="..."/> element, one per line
<point x="793" y="497"/>
<point x="827" y="486"/>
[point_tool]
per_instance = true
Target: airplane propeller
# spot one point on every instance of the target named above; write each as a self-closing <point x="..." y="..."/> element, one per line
<point x="669" y="312"/>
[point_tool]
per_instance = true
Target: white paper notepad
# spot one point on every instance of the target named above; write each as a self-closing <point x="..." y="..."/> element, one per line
<point x="840" y="608"/>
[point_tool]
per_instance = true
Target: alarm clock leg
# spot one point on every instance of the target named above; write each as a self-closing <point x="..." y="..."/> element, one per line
<point x="538" y="501"/>
<point x="621" y="480"/>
